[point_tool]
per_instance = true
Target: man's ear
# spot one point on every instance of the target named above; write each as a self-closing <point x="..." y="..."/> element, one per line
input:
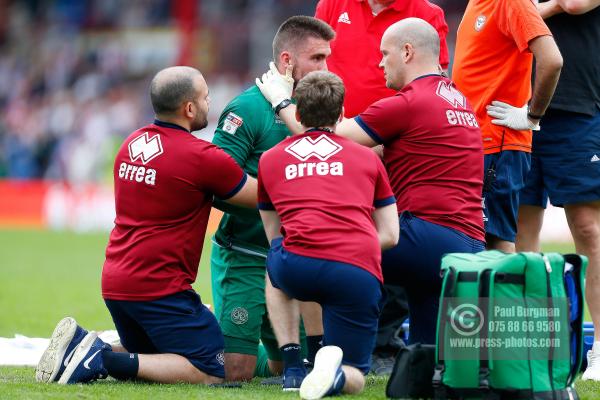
<point x="285" y="59"/>
<point x="297" y="115"/>
<point x="188" y="110"/>
<point x="408" y="52"/>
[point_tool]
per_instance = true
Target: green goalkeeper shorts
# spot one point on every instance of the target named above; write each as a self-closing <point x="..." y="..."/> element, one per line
<point x="239" y="301"/>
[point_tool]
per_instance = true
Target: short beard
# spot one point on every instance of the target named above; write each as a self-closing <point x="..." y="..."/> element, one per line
<point x="390" y="86"/>
<point x="199" y="125"/>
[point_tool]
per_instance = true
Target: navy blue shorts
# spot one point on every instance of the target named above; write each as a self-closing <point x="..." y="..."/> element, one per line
<point x="415" y="262"/>
<point x="177" y="324"/>
<point x="351" y="298"/>
<point x="501" y="195"/>
<point x="565" y="162"/>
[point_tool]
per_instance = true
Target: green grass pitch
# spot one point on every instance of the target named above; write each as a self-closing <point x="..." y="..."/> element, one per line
<point x="45" y="276"/>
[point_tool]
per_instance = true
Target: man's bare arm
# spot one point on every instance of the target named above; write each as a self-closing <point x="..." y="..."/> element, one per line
<point x="547" y="71"/>
<point x="548" y="63"/>
<point x="247" y="196"/>
<point x="577" y="7"/>
<point x="386" y="223"/>
<point x="288" y="115"/>
<point x="574" y="7"/>
<point x="271" y="223"/>
<point x="350" y="129"/>
<point x="549" y="9"/>
<point x="347" y="128"/>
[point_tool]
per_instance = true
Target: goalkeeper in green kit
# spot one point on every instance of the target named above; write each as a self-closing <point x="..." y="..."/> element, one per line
<point x="248" y="127"/>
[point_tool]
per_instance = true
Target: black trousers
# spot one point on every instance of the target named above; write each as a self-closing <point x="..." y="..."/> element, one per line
<point x="393" y="314"/>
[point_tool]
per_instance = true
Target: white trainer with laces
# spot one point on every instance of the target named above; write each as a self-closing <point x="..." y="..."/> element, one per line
<point x="327" y="377"/>
<point x="592" y="372"/>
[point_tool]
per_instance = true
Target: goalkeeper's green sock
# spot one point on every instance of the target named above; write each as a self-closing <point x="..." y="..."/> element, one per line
<point x="262" y="363"/>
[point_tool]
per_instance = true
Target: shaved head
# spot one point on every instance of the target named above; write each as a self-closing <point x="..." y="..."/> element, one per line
<point x="180" y="95"/>
<point x="172" y="87"/>
<point x="419" y="33"/>
<point x="410" y="48"/>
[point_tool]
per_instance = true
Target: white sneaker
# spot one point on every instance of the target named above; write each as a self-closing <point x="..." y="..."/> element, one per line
<point x="327" y="377"/>
<point x="592" y="372"/>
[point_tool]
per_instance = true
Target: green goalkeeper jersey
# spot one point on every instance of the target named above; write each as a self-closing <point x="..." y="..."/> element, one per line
<point x="247" y="128"/>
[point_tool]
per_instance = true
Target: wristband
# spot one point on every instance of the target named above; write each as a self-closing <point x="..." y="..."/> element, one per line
<point x="282" y="105"/>
<point x="534" y="116"/>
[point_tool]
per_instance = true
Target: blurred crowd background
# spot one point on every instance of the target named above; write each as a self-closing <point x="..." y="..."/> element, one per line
<point x="74" y="74"/>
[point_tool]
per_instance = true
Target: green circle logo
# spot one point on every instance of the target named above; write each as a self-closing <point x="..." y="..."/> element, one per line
<point x="239" y="315"/>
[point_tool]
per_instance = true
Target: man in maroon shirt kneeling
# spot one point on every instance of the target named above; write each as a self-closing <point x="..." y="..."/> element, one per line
<point x="165" y="179"/>
<point x="433" y="155"/>
<point x="331" y="200"/>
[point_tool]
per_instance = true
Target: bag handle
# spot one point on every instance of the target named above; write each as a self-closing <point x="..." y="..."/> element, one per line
<point x="485" y="281"/>
<point x="449" y="277"/>
<point x="576" y="261"/>
<point x="448" y="290"/>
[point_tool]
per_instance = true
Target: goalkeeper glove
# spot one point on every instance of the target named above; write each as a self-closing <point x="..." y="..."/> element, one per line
<point x="276" y="87"/>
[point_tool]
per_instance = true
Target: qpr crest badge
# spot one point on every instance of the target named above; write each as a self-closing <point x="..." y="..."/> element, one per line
<point x="479" y="22"/>
<point x="239" y="315"/>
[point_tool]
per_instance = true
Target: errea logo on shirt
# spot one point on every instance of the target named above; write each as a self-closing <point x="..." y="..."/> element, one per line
<point x="145" y="148"/>
<point x="456" y="117"/>
<point x="449" y="93"/>
<point x="321" y="148"/>
<point x="137" y="173"/>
